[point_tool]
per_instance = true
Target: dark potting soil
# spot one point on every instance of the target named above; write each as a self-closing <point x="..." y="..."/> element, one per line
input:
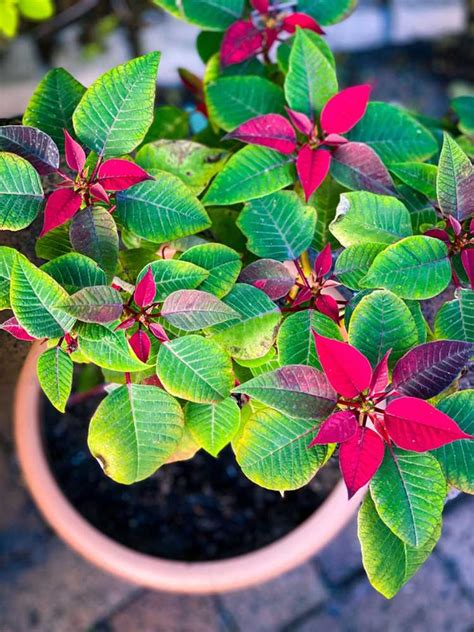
<point x="201" y="509"/>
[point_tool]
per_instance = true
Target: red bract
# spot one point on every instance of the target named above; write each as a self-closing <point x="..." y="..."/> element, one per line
<point x="75" y="155"/>
<point x="61" y="205"/>
<point x="117" y="175"/>
<point x="269" y="130"/>
<point x="159" y="332"/>
<point x="145" y="291"/>
<point x="345" y="109"/>
<point x="409" y="422"/>
<point x="141" y="345"/>
<point x="113" y="175"/>
<point x="323" y="262"/>
<point x="360" y="457"/>
<point x="312" y="167"/>
<point x="248" y="38"/>
<point x="467" y="258"/>
<point x="460" y="241"/>
<point x="16" y="330"/>
<point x="313" y="159"/>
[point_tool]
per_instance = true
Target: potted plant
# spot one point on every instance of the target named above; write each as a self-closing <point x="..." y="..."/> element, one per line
<point x="305" y="340"/>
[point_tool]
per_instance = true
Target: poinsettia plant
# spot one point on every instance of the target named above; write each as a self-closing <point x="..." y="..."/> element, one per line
<point x="263" y="282"/>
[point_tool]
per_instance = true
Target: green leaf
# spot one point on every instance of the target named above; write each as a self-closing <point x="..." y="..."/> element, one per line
<point x="213" y="426"/>
<point x="172" y="6"/>
<point x="354" y="262"/>
<point x="284" y="50"/>
<point x="36" y="9"/>
<point x="456" y="458"/>
<point x="192" y="310"/>
<point x="171" y="275"/>
<point x="252" y="172"/>
<point x="116" y="111"/>
<point x="382" y="321"/>
<point x="213" y="15"/>
<point x="34" y="296"/>
<point x="51" y="107"/>
<point x="134" y="431"/>
<point x="455" y="319"/>
<point x="252" y="334"/>
<point x="98" y="304"/>
<point x="93" y="233"/>
<point x="455" y="183"/>
<point x="168" y="122"/>
<point x="325" y="200"/>
<point x="388" y="562"/>
<point x="54" y="370"/>
<point x="363" y="217"/>
<point x="7" y="259"/>
<point x="421" y="210"/>
<point x="464" y="108"/>
<point x="393" y="134"/>
<point x="420" y="322"/>
<point x="192" y="163"/>
<point x="54" y="244"/>
<point x="234" y="100"/>
<point x="161" y="209"/>
<point x="311" y="80"/>
<point x="295" y="390"/>
<point x="21" y="194"/>
<point x="327" y="11"/>
<point x="108" y="349"/>
<point x="415" y="268"/>
<point x="278" y="226"/>
<point x="409" y="490"/>
<point x="10" y="18"/>
<point x="418" y="176"/>
<point x="74" y="271"/>
<point x="273" y="452"/>
<point x="295" y="339"/>
<point x="222" y="263"/>
<point x="196" y="369"/>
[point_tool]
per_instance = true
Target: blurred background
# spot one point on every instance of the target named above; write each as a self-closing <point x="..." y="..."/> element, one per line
<point x="416" y="52"/>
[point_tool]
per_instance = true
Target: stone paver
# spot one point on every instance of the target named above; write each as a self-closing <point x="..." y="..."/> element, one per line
<point x="341" y="559"/>
<point x="432" y="601"/>
<point x="456" y="545"/>
<point x="61" y="593"/>
<point x="161" y="612"/>
<point x="270" y="606"/>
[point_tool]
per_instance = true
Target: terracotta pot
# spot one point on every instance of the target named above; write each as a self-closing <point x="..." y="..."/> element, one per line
<point x="194" y="577"/>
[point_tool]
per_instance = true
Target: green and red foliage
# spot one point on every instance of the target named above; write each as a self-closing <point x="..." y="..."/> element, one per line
<point x="268" y="296"/>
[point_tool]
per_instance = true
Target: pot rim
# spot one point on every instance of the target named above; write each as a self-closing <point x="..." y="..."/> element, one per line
<point x="145" y="570"/>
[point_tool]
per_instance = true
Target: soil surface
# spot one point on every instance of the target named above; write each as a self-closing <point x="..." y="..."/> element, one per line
<point x="202" y="509"/>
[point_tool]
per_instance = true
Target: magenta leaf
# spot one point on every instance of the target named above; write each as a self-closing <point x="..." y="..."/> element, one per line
<point x="337" y="428"/>
<point x="346" y="368"/>
<point x="467" y="258"/>
<point x="145" y="291"/>
<point x="312" y="166"/>
<point x="241" y="41"/>
<point x="33" y="145"/>
<point x="428" y="369"/>
<point x="262" y="6"/>
<point x="141" y="345"/>
<point x="415" y="425"/>
<point x="358" y="167"/>
<point x="455" y="224"/>
<point x="97" y="191"/>
<point x="360" y="457"/>
<point x="303" y="296"/>
<point x="270" y="276"/>
<point x="380" y="376"/>
<point x="345" y="109"/>
<point x="13" y="327"/>
<point x="117" y="175"/>
<point x="335" y="140"/>
<point x="302" y="122"/>
<point x="268" y="130"/>
<point x="61" y="205"/>
<point x="95" y="304"/>
<point x="75" y="155"/>
<point x="328" y="306"/>
<point x="159" y="332"/>
<point x="323" y="263"/>
<point x="438" y="233"/>
<point x="126" y="324"/>
<point x="302" y="20"/>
